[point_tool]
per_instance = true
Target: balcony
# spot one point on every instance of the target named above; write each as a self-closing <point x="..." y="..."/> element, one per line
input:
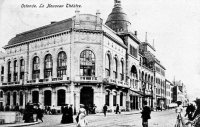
<point x="85" y="78"/>
<point x="88" y="78"/>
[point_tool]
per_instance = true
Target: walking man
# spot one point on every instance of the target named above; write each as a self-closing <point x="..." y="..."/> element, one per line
<point x="105" y="110"/>
<point x="145" y="114"/>
<point x="117" y="109"/>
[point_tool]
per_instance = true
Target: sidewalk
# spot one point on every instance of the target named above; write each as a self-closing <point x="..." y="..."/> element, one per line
<point x="19" y="124"/>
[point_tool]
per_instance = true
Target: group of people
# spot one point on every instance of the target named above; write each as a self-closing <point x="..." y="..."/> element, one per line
<point x="192" y="112"/>
<point x="67" y="114"/>
<point x="30" y="110"/>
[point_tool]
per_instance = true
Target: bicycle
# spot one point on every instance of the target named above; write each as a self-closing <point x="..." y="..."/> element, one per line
<point x="179" y="121"/>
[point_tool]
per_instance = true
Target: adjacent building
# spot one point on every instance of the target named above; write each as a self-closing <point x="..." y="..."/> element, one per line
<point x="81" y="60"/>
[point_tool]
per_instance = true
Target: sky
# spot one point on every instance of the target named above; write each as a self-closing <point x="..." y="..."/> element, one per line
<point x="174" y="25"/>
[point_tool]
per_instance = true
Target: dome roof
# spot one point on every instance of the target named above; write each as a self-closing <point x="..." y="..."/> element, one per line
<point x="117" y="19"/>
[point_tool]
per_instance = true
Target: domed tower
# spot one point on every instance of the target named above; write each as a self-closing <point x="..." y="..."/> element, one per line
<point x="117" y="20"/>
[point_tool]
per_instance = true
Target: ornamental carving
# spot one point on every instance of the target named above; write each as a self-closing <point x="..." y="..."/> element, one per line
<point x="87" y="37"/>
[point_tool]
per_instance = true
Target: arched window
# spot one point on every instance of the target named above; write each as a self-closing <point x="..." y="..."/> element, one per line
<point x="114" y="98"/>
<point x="87" y="63"/>
<point x="22" y="66"/>
<point x="107" y="97"/>
<point x="48" y="66"/>
<point x="36" y="67"/>
<point x="122" y="71"/>
<point x="121" y="99"/>
<point x="8" y="98"/>
<point x="60" y="97"/>
<point x="14" y="98"/>
<point x="35" y="96"/>
<point x="62" y="64"/>
<point x="1" y="94"/>
<point x="21" y="98"/>
<point x="115" y="68"/>
<point x="15" y="70"/>
<point x="9" y="71"/>
<point x="107" y="65"/>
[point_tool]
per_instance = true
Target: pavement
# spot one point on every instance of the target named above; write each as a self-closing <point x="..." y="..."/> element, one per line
<point x="20" y="124"/>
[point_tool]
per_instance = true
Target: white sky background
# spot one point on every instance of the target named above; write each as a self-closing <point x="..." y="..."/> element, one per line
<point x="174" y="24"/>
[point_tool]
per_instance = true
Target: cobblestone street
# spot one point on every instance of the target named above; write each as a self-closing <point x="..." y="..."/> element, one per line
<point x="126" y="119"/>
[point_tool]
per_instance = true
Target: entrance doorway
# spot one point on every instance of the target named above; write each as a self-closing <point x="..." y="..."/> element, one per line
<point x="35" y="96"/>
<point x="87" y="96"/>
<point x="47" y="98"/>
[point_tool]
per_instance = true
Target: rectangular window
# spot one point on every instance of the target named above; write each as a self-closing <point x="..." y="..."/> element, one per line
<point x="2" y="70"/>
<point x="133" y="51"/>
<point x="114" y="100"/>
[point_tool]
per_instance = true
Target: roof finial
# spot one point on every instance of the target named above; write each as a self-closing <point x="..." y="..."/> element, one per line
<point x="146" y="37"/>
<point x="153" y="43"/>
<point x="117" y="3"/>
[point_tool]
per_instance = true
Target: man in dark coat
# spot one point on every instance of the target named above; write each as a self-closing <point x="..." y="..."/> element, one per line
<point x="145" y="114"/>
<point x="65" y="116"/>
<point x="70" y="112"/>
<point x="117" y="109"/>
<point x="39" y="113"/>
<point x="105" y="109"/>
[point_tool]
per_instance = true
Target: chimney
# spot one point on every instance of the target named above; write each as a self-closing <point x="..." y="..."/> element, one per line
<point x="98" y="13"/>
<point x="136" y="33"/>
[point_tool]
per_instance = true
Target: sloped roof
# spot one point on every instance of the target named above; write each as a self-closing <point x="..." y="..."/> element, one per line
<point x="52" y="28"/>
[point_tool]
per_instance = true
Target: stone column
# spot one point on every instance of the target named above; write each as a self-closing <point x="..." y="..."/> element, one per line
<point x="118" y="98"/>
<point x="29" y="96"/>
<point x="18" y="71"/>
<point x="127" y="96"/>
<point x="72" y="93"/>
<point x="54" y="75"/>
<point x="4" y="99"/>
<point x="53" y="98"/>
<point x="5" y="72"/>
<point x="17" y="97"/>
<point x="28" y="69"/>
<point x="41" y="97"/>
<point x="11" y="100"/>
<point x="111" y="101"/>
<point x="12" y="71"/>
<point x="67" y="95"/>
<point x="24" y="98"/>
<point x="41" y="68"/>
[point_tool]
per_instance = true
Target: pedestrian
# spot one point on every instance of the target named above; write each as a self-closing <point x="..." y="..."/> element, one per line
<point x="196" y="116"/>
<point x="179" y="111"/>
<point x="105" y="109"/>
<point x="70" y="112"/>
<point x="117" y="109"/>
<point x="65" y="115"/>
<point x="93" y="109"/>
<point x="145" y="114"/>
<point x="39" y="113"/>
<point x="82" y="122"/>
<point x="17" y="107"/>
<point x="49" y="110"/>
<point x="189" y="111"/>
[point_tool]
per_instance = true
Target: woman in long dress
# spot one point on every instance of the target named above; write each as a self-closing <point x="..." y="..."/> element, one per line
<point x="81" y="117"/>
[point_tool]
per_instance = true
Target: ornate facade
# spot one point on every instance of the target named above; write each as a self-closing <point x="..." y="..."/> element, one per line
<point x="80" y="60"/>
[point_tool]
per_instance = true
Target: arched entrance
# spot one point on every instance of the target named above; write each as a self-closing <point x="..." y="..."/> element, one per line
<point x="47" y="98"/>
<point x="87" y="95"/>
<point x="61" y="97"/>
<point x="35" y="96"/>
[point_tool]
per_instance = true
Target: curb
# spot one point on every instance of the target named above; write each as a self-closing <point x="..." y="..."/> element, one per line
<point x="20" y="124"/>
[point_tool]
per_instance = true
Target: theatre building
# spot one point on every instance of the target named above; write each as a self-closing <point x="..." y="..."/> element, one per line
<point x="77" y="60"/>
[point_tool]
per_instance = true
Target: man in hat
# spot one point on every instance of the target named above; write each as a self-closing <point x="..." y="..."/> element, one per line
<point x="70" y="113"/>
<point x="65" y="117"/>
